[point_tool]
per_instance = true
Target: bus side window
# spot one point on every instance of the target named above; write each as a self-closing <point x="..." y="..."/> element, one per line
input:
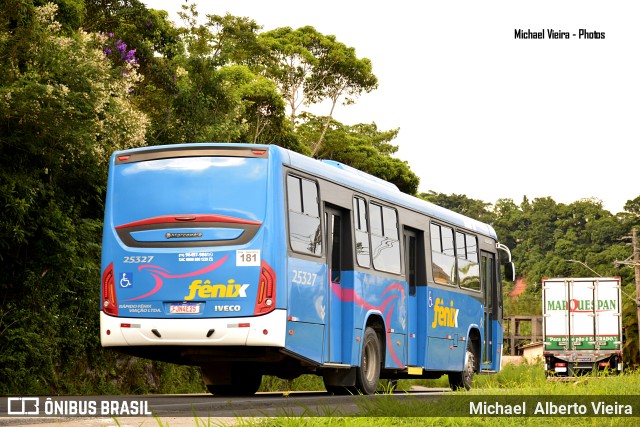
<point x="411" y="260"/>
<point x="304" y="216"/>
<point x="468" y="265"/>
<point x="443" y="259"/>
<point x="385" y="243"/>
<point x="361" y="232"/>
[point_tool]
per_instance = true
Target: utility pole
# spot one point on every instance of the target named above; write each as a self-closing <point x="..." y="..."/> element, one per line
<point x="636" y="269"/>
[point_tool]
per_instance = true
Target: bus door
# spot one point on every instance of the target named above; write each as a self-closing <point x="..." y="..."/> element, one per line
<point x="490" y="286"/>
<point x="335" y="237"/>
<point x="411" y="273"/>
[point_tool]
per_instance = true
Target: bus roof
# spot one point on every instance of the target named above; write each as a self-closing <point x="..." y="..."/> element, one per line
<point x="376" y="187"/>
<point x="350" y="177"/>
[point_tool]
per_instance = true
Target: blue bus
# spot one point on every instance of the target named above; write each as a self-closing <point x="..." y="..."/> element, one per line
<point x="250" y="260"/>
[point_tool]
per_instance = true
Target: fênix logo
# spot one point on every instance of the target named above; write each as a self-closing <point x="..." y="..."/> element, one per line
<point x="207" y="290"/>
<point x="445" y="316"/>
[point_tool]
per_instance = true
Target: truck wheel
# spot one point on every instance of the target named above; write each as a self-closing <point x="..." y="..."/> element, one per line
<point x="464" y="378"/>
<point x="368" y="373"/>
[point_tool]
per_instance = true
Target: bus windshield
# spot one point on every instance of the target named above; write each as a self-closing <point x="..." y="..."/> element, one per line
<point x="190" y="185"/>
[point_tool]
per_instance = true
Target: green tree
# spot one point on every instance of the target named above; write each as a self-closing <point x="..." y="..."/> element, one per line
<point x="462" y="204"/>
<point x="209" y="92"/>
<point x="236" y="40"/>
<point x="544" y="234"/>
<point x="361" y="146"/>
<point x="310" y="67"/>
<point x="633" y="206"/>
<point x="64" y="107"/>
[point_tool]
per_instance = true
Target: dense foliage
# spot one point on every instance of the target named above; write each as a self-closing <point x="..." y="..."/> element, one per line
<point x="82" y="78"/>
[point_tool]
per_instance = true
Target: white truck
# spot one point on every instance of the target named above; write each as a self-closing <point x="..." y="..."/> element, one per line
<point x="582" y="325"/>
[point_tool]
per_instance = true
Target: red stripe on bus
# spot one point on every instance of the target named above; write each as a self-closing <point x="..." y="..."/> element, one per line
<point x="173" y="219"/>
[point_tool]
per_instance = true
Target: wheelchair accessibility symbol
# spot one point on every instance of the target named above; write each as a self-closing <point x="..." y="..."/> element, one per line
<point x="126" y="280"/>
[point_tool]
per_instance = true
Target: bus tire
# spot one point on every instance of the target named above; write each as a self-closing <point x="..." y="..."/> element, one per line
<point x="368" y="373"/>
<point x="463" y="379"/>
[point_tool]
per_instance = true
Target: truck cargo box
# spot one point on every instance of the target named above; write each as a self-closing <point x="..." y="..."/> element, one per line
<point x="582" y="325"/>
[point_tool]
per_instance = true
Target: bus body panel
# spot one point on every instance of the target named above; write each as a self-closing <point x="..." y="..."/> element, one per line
<point x="498" y="336"/>
<point x="183" y="286"/>
<point x="343" y="308"/>
<point x="197" y="253"/>
<point x="307" y="290"/>
<point x="238" y="331"/>
<point x="363" y="295"/>
<point x="450" y="317"/>
<point x="161" y="214"/>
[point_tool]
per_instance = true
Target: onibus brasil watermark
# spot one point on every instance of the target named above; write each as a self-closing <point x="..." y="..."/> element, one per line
<point x="40" y="406"/>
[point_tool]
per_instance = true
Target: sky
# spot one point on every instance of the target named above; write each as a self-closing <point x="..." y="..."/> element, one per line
<point x="480" y="112"/>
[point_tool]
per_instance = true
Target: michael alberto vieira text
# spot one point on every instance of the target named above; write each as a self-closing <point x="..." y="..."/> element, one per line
<point x="549" y="408"/>
<point x="557" y="35"/>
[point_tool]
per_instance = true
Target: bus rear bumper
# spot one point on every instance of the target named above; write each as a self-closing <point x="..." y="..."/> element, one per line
<point x="266" y="330"/>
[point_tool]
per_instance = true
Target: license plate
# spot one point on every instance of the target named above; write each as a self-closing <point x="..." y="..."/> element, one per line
<point x="189" y="308"/>
<point x="561" y="369"/>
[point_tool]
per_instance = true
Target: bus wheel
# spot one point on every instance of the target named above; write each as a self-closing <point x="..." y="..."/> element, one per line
<point x="463" y="379"/>
<point x="368" y="374"/>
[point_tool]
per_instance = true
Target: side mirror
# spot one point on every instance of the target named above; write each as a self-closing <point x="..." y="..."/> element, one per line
<point x="509" y="268"/>
<point x="510" y="271"/>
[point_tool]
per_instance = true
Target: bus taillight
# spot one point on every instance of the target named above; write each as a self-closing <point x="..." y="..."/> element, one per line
<point x="109" y="302"/>
<point x="266" y="298"/>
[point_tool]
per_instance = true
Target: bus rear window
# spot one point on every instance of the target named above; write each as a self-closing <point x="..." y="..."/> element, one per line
<point x="190" y="185"/>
